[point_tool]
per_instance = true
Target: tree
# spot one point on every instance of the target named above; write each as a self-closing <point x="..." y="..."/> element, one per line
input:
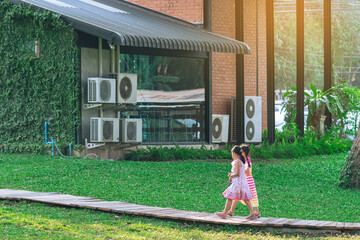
<point x="350" y="175"/>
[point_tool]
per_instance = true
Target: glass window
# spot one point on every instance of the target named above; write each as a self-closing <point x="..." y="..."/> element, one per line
<point x="170" y="97"/>
<point x="345" y="42"/>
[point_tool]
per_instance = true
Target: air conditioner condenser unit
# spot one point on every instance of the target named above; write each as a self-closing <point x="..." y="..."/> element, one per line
<point x="131" y="130"/>
<point x="104" y="129"/>
<point x="220" y="128"/>
<point x="252" y="119"/>
<point x="127" y="88"/>
<point x="101" y="90"/>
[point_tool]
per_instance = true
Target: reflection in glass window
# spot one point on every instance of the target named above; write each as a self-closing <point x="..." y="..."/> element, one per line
<point x="170" y="97"/>
<point x="165" y="73"/>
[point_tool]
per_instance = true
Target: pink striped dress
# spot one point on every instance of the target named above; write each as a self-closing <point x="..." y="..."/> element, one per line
<point x="254" y="201"/>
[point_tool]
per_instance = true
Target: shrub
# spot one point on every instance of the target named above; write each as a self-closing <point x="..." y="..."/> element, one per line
<point x="289" y="144"/>
<point x="158" y="154"/>
<point x="24" y="148"/>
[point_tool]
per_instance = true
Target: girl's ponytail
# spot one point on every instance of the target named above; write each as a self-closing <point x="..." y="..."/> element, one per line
<point x="242" y="159"/>
<point x="246" y="149"/>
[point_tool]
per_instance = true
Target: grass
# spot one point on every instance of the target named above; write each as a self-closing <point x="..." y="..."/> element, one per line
<point x="302" y="188"/>
<point x="40" y="222"/>
<point x="21" y="220"/>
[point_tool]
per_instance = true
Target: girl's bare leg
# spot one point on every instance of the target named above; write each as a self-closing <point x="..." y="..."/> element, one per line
<point x="256" y="209"/>
<point x="250" y="207"/>
<point x="223" y="214"/>
<point x="233" y="206"/>
<point x="227" y="205"/>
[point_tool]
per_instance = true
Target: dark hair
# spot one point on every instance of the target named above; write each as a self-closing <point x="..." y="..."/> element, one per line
<point x="246" y="149"/>
<point x="237" y="150"/>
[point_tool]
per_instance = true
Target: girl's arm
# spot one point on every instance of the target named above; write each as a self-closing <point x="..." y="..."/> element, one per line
<point x="238" y="167"/>
<point x="247" y="171"/>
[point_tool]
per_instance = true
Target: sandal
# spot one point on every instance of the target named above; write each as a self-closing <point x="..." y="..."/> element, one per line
<point x="252" y="217"/>
<point x="220" y="214"/>
<point x="230" y="213"/>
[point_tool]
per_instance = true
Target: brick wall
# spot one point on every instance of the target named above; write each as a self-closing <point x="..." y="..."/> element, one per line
<point x="255" y="63"/>
<point x="224" y="65"/>
<point x="188" y="10"/>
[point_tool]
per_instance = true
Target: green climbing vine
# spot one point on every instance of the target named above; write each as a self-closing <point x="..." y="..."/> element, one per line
<point x="37" y="85"/>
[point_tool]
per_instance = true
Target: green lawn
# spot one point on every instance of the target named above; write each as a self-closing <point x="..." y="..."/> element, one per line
<point x="301" y="188"/>
<point x="21" y="220"/>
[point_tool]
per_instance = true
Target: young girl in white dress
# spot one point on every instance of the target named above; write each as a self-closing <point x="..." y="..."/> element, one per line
<point x="249" y="178"/>
<point x="239" y="188"/>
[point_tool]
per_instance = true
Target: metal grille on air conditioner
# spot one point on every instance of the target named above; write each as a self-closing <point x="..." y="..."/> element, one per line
<point x="101" y="90"/>
<point x="94" y="130"/>
<point x="104" y="130"/>
<point x="127" y="88"/>
<point x="252" y="118"/>
<point x="220" y="128"/>
<point x="131" y="130"/>
<point x="252" y="121"/>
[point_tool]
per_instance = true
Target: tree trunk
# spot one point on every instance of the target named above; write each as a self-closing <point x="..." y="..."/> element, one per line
<point x="350" y="175"/>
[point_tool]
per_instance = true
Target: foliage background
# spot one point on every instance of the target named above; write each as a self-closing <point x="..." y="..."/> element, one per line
<point x="345" y="47"/>
<point x="34" y="90"/>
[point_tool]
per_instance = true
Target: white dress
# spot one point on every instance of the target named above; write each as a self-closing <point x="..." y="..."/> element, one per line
<point x="239" y="188"/>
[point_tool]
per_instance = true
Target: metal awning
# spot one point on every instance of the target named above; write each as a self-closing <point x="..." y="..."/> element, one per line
<point x="126" y="24"/>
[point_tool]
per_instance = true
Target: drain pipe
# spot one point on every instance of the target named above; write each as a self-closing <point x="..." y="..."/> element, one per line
<point x="100" y="57"/>
<point x="46" y="139"/>
<point x="52" y="142"/>
<point x="118" y="60"/>
<point x="70" y="148"/>
<point x="112" y="58"/>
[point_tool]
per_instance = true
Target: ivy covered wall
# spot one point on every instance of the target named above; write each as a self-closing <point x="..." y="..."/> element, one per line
<point x="38" y="76"/>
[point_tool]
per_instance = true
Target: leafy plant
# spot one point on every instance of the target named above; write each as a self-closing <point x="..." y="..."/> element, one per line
<point x="349" y="98"/>
<point x="24" y="148"/>
<point x="289" y="106"/>
<point x="159" y="154"/>
<point x="316" y="101"/>
<point x="289" y="144"/>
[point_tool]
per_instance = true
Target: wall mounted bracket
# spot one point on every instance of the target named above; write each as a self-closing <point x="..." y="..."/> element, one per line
<point x="89" y="106"/>
<point x="92" y="145"/>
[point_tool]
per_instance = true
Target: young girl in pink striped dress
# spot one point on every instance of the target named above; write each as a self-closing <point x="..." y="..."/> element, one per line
<point x="239" y="188"/>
